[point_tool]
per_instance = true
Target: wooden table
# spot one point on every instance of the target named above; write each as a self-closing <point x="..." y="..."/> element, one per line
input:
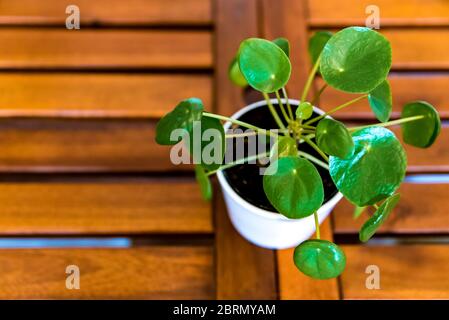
<point x="78" y="160"/>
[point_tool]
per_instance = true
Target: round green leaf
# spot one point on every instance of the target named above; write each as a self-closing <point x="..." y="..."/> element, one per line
<point x="317" y="43"/>
<point x="204" y="182"/>
<point x="294" y="187"/>
<point x="182" y="117"/>
<point x="264" y="65"/>
<point x="423" y="132"/>
<point x="235" y="75"/>
<point x="207" y="143"/>
<point x="319" y="259"/>
<point x="284" y="146"/>
<point x="374" y="171"/>
<point x="381" y="102"/>
<point x="283" y="44"/>
<point x="304" y="110"/>
<point x="333" y="138"/>
<point x="370" y="227"/>
<point x="356" y="59"/>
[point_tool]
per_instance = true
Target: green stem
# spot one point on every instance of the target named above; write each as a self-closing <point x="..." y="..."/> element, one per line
<point x="316" y="98"/>
<point x="389" y="123"/>
<point x="317" y="149"/>
<point x="284" y="113"/>
<point x="376" y="206"/>
<point x="273" y="111"/>
<point x="344" y="105"/>
<point x="240" y="123"/>
<point x="241" y="135"/>
<point x="313" y="159"/>
<point x="240" y="161"/>
<point x="317" y="225"/>
<point x="310" y="79"/>
<point x="289" y="107"/>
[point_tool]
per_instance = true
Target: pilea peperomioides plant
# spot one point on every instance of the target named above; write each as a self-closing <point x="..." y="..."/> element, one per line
<point x="367" y="163"/>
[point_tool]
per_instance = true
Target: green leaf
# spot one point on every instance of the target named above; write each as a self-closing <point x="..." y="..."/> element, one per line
<point x="374" y="171"/>
<point x="264" y="65"/>
<point x="304" y="110"/>
<point x="317" y="43"/>
<point x="381" y="102"/>
<point x="294" y="187"/>
<point x="283" y="147"/>
<point x="182" y="117"/>
<point x="423" y="132"/>
<point x="333" y="138"/>
<point x="207" y="143"/>
<point x="283" y="44"/>
<point x="204" y="182"/>
<point x="358" y="211"/>
<point x="372" y="224"/>
<point x="235" y="75"/>
<point x="356" y="59"/>
<point x="319" y="259"/>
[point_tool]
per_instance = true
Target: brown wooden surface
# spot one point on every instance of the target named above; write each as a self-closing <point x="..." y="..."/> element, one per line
<point x="406" y="271"/>
<point x="405" y="87"/>
<point x="326" y="13"/>
<point x="422" y="209"/>
<point x="105" y="48"/>
<point x="243" y="270"/>
<point x="110" y="12"/>
<point x="103" y="206"/>
<point x="98" y="94"/>
<point x="155" y="272"/>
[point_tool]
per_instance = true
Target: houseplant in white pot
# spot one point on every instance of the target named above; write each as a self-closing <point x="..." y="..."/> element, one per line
<point x="312" y="160"/>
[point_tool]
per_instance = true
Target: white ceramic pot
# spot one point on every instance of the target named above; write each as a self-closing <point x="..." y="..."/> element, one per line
<point x="266" y="228"/>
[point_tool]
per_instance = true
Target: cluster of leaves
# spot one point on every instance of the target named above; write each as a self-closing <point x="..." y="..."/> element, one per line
<point x="367" y="164"/>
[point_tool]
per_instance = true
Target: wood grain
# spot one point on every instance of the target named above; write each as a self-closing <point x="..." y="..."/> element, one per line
<point x="325" y="13"/>
<point x="107" y="12"/>
<point x="406" y="271"/>
<point x="84" y="49"/>
<point x="405" y="87"/>
<point x="422" y="209"/>
<point x="72" y="145"/>
<point x="98" y="95"/>
<point x="111" y="206"/>
<point x="156" y="272"/>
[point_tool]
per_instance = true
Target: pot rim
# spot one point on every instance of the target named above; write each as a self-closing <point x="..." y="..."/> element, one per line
<point x="228" y="189"/>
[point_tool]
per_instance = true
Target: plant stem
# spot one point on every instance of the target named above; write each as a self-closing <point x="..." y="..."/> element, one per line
<point x="273" y="111"/>
<point x="376" y="206"/>
<point x="316" y="99"/>
<point x="317" y="149"/>
<point x="310" y="79"/>
<point x="241" y="135"/>
<point x="313" y="159"/>
<point x="284" y="113"/>
<point x="317" y="225"/>
<point x="344" y="105"/>
<point x="289" y="107"/>
<point x="389" y="123"/>
<point x="240" y="161"/>
<point x="240" y="123"/>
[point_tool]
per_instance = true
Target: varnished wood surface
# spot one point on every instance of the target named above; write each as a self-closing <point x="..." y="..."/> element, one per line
<point x="154" y="272"/>
<point x="103" y="206"/>
<point x="104" y="48"/>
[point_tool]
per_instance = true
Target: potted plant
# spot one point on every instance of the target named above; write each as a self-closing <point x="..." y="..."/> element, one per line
<point x="314" y="160"/>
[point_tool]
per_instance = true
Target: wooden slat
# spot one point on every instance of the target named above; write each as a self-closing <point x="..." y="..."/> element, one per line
<point x="397" y="13"/>
<point x="98" y="95"/>
<point x="235" y="21"/>
<point x="115" y="12"/>
<point x="422" y="209"/>
<point x="103" y="207"/>
<point x="48" y="145"/>
<point x="49" y="48"/>
<point x="405" y="87"/>
<point x="155" y="272"/>
<point x="294" y="285"/>
<point x="406" y="272"/>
